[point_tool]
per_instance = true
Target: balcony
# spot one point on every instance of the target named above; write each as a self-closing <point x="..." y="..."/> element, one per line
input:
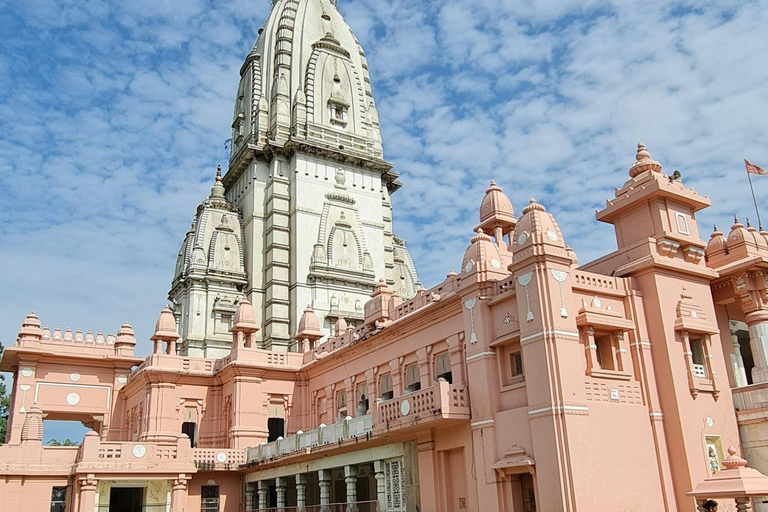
<point x="217" y="459"/>
<point x="127" y="457"/>
<point x="440" y="402"/>
<point x="348" y="429"/>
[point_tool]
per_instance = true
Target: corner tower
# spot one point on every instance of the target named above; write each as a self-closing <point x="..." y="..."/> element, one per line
<point x="307" y="174"/>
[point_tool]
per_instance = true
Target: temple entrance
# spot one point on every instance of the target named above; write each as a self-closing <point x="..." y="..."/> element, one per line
<point x="126" y="499"/>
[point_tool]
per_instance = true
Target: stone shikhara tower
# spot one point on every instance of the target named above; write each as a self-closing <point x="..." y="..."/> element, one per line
<point x="310" y="185"/>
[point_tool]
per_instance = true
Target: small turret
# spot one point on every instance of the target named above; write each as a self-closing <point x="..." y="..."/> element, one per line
<point x="125" y="343"/>
<point x="309" y="330"/>
<point x="244" y="324"/>
<point x="165" y="331"/>
<point x="497" y="217"/>
<point x="30" y="333"/>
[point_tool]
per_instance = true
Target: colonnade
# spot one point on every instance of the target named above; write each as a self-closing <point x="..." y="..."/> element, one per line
<point x="294" y="490"/>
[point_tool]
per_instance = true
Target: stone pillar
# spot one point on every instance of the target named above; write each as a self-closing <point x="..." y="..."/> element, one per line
<point x="381" y="486"/>
<point x="743" y="504"/>
<point x="179" y="495"/>
<point x="350" y="478"/>
<point x="263" y="491"/>
<point x="280" y="484"/>
<point x="324" y="476"/>
<point x="737" y="361"/>
<point x="250" y="503"/>
<point x="301" y="492"/>
<point x="758" y="340"/>
<point x="87" y="493"/>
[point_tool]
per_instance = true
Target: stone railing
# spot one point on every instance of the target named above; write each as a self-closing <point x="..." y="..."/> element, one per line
<point x="98" y="455"/>
<point x="348" y="429"/>
<point x="439" y="401"/>
<point x="751" y="402"/>
<point x="217" y="458"/>
<point x="35" y="459"/>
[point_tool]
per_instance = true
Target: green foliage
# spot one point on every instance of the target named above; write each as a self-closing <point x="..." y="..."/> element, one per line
<point x="5" y="404"/>
<point x="65" y="442"/>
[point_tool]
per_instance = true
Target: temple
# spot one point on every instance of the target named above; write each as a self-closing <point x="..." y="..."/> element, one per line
<point x="302" y="367"/>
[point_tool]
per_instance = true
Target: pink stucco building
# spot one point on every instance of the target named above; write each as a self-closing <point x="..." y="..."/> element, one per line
<point x="525" y="382"/>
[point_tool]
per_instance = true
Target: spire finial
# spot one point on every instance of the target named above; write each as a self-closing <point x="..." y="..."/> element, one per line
<point x="218" y="189"/>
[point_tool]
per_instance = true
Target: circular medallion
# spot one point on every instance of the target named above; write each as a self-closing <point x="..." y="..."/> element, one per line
<point x="710" y="422"/>
<point x="371" y="306"/>
<point x="694" y="314"/>
<point x="221" y="457"/>
<point x="521" y="239"/>
<point x="552" y="235"/>
<point x="73" y="399"/>
<point x="139" y="450"/>
<point x="26" y="371"/>
<point x="495" y="263"/>
<point x="597" y="302"/>
<point x="405" y="407"/>
<point x="468" y="266"/>
<point x="122" y="379"/>
<point x="74" y="376"/>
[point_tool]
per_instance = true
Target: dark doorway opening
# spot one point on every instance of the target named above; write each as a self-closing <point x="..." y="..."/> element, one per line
<point x="276" y="428"/>
<point x="126" y="499"/>
<point x="188" y="427"/>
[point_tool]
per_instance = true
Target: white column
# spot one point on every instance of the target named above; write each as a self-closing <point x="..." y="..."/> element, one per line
<point x="280" y="487"/>
<point x="350" y="478"/>
<point x="263" y="490"/>
<point x="301" y="492"/>
<point x="758" y="340"/>
<point x="324" y="476"/>
<point x="381" y="487"/>
<point x="249" y="497"/>
<point x="737" y="361"/>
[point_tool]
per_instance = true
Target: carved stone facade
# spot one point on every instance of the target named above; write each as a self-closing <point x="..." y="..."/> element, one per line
<point x="307" y="175"/>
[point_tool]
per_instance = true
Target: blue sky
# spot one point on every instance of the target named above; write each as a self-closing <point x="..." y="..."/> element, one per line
<point x="113" y="116"/>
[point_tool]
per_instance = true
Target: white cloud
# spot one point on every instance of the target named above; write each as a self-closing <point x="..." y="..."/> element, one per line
<point x="114" y="116"/>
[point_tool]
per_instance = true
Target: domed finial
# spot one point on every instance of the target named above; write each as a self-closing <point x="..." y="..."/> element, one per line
<point x="734" y="461"/>
<point x="643" y="162"/>
<point x="642" y="153"/>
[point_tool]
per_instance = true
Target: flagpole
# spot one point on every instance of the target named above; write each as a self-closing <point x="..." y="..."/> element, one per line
<point x="759" y="222"/>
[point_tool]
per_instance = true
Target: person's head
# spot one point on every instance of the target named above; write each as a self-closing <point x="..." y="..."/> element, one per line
<point x="710" y="506"/>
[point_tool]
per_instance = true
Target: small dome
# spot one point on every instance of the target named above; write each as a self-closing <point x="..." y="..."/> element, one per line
<point x="717" y="244"/>
<point x="537" y="226"/>
<point x="739" y="233"/>
<point x="757" y="237"/>
<point x="309" y="327"/>
<point x="245" y="318"/>
<point x="643" y="162"/>
<point x="165" y="328"/>
<point x="341" y="326"/>
<point x="482" y="255"/>
<point x="496" y="206"/>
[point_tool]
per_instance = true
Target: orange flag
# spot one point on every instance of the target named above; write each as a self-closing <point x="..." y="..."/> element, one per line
<point x="753" y="169"/>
